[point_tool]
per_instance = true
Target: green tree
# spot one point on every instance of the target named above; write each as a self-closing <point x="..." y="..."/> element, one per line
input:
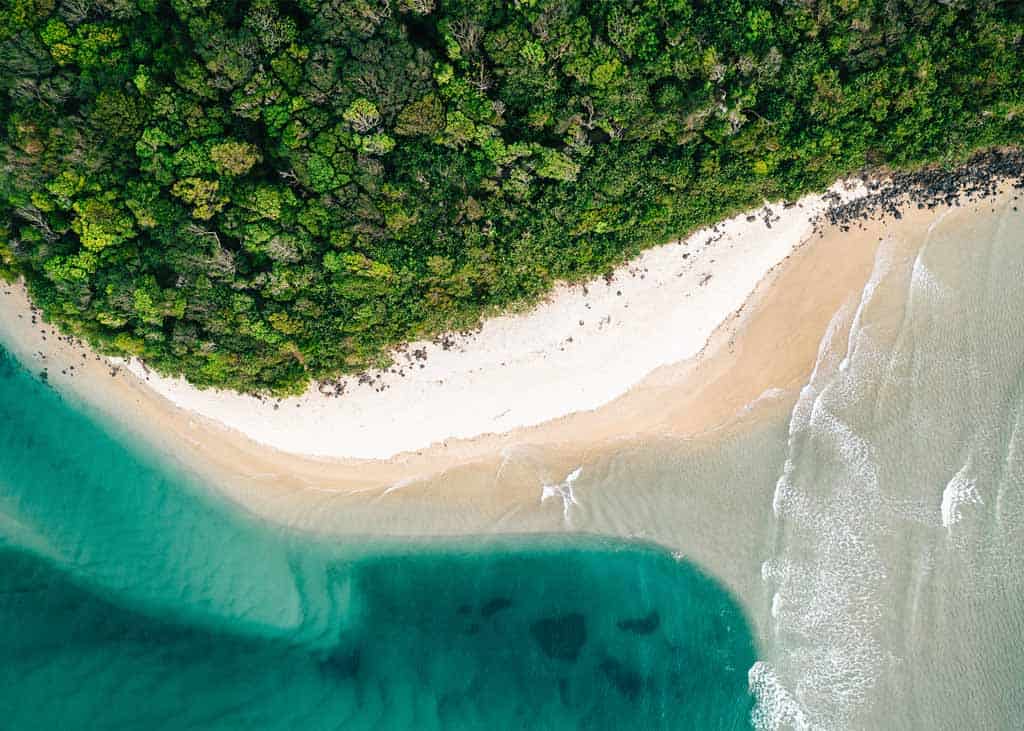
<point x="101" y="222"/>
<point x="258" y="193"/>
<point x="232" y="158"/>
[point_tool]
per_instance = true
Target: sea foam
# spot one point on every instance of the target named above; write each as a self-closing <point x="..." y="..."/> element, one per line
<point x="959" y="491"/>
<point x="564" y="491"/>
<point x="826" y="577"/>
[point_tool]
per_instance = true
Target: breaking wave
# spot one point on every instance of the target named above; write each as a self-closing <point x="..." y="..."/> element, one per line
<point x="900" y="495"/>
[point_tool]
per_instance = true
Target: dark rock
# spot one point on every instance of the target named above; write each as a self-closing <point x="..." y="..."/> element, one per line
<point x="561" y="637"/>
<point x="928" y="188"/>
<point x="628" y="682"/>
<point x="494" y="606"/>
<point x="642" y="626"/>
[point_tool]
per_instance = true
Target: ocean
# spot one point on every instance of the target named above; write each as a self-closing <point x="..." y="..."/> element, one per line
<point x="847" y="556"/>
<point x="895" y="572"/>
<point x="131" y="597"/>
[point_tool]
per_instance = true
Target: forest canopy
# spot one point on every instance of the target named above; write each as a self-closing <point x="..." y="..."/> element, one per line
<point x="256" y="193"/>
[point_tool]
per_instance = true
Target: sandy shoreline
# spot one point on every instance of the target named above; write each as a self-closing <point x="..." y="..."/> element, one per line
<point x="752" y="367"/>
<point x="580" y="349"/>
<point x="586" y="345"/>
<point x="756" y="353"/>
<point x="745" y="382"/>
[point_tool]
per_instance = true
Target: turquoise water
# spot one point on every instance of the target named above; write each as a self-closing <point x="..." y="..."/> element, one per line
<point x="131" y="597"/>
<point x="870" y="524"/>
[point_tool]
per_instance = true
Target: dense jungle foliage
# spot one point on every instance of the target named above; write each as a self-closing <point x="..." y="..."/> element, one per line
<point x="255" y="193"/>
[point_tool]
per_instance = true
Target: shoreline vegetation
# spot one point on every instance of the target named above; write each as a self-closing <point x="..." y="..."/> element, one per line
<point x="586" y="344"/>
<point x="757" y="358"/>
<point x="581" y="348"/>
<point x="259" y="194"/>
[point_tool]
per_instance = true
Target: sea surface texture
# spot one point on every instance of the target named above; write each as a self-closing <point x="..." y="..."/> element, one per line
<point x="895" y="571"/>
<point x="132" y="599"/>
<point x="848" y="557"/>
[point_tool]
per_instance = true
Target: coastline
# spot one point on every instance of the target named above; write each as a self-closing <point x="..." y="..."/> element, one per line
<point x="780" y="286"/>
<point x="565" y="475"/>
<point x="754" y="363"/>
<point x="587" y="344"/>
<point x="580" y="349"/>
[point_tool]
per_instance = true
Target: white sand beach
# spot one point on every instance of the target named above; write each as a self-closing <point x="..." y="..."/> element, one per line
<point x="670" y="372"/>
<point x="580" y="349"/>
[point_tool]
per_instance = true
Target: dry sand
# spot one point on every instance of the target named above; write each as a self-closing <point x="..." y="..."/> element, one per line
<point x="755" y="362"/>
<point x="577" y="351"/>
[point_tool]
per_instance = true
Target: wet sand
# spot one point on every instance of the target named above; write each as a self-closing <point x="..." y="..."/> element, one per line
<point x="756" y="361"/>
<point x="578" y="350"/>
<point x="870" y="585"/>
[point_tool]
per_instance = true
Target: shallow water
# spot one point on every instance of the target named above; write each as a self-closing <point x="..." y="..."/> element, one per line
<point x="848" y="557"/>
<point x="895" y="573"/>
<point x="130" y="598"/>
<point x="871" y="525"/>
